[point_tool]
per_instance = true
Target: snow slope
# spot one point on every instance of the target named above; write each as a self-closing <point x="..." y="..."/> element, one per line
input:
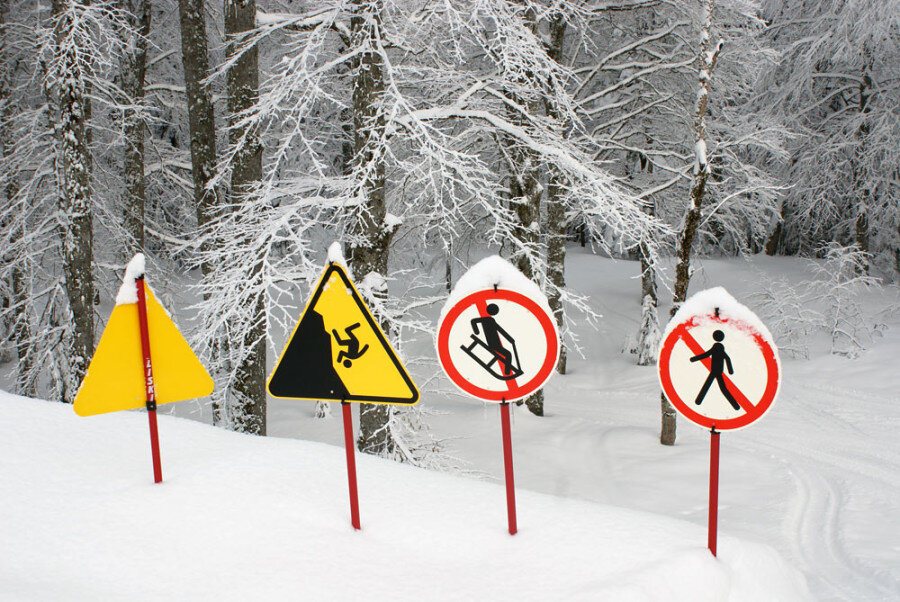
<point x="240" y="517"/>
<point x="818" y="478"/>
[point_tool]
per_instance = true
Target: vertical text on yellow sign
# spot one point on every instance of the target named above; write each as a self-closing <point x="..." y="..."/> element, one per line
<point x="115" y="377"/>
<point x="374" y="373"/>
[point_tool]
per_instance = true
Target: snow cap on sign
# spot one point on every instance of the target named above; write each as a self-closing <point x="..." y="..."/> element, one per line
<point x="128" y="291"/>
<point x="705" y="303"/>
<point x="336" y="254"/>
<point x="495" y="271"/>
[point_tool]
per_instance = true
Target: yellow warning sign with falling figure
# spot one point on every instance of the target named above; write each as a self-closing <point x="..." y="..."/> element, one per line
<point x="115" y="377"/>
<point x="338" y="352"/>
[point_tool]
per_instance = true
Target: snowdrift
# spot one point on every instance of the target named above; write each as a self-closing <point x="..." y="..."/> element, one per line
<point x="241" y="517"/>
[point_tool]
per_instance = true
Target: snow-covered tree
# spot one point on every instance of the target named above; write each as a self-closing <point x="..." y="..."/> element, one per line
<point x="836" y="87"/>
<point x="380" y="116"/>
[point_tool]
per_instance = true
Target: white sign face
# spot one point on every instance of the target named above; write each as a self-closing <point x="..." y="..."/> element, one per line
<point x="498" y="345"/>
<point x="718" y="372"/>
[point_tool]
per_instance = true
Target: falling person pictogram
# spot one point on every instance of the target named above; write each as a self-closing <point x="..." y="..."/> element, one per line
<point x="718" y="361"/>
<point x="352" y="351"/>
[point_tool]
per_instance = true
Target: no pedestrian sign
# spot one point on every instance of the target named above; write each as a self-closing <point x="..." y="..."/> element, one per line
<point x="498" y="345"/>
<point x="718" y="371"/>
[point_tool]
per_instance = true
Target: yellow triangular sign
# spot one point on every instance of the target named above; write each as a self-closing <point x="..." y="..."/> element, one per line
<point x="115" y="378"/>
<point x="338" y="352"/>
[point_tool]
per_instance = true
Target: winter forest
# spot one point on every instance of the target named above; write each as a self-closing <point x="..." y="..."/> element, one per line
<point x="622" y="154"/>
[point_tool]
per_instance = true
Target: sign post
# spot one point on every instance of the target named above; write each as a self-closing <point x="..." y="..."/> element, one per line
<point x="499" y="345"/>
<point x="350" y="448"/>
<point x="508" y="469"/>
<point x="713" y="521"/>
<point x="148" y="377"/>
<point x="338" y="352"/>
<point x="144" y="366"/>
<point x="714" y="340"/>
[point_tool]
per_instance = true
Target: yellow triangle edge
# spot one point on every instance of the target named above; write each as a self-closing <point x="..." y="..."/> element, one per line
<point x="382" y="339"/>
<point x="115" y="377"/>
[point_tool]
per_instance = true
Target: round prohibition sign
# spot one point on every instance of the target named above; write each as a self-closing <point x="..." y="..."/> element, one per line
<point x="498" y="345"/>
<point x="744" y="392"/>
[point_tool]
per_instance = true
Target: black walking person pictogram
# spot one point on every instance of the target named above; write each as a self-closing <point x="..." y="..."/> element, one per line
<point x="352" y="351"/>
<point x="718" y="360"/>
<point x="508" y="359"/>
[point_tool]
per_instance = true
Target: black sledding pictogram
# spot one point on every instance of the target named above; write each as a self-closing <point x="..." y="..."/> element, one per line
<point x="499" y="345"/>
<point x="718" y="361"/>
<point x="352" y="351"/>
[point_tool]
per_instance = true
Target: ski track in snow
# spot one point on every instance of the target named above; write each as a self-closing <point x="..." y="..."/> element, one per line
<point x="825" y="479"/>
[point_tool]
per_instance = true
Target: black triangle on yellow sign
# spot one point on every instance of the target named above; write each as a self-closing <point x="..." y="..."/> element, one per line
<point x="337" y="351"/>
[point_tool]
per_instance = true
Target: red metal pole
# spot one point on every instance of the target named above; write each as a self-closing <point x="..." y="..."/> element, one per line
<point x="349" y="444"/>
<point x="508" y="465"/>
<point x="148" y="377"/>
<point x="713" y="489"/>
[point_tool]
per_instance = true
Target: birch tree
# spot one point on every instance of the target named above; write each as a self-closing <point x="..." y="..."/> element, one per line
<point x="709" y="52"/>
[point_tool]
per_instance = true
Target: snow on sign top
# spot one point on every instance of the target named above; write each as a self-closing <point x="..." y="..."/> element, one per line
<point x="115" y="379"/>
<point x="128" y="291"/>
<point x="497" y="339"/>
<point x="495" y="272"/>
<point x="718" y="364"/>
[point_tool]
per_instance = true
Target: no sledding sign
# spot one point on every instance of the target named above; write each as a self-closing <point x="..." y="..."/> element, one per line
<point x="718" y="365"/>
<point x="498" y="345"/>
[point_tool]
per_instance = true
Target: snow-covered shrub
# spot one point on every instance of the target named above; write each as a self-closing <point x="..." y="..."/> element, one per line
<point x="829" y="303"/>
<point x="645" y="342"/>
<point x="842" y="280"/>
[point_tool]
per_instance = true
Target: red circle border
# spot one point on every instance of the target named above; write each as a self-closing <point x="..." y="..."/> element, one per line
<point x="761" y="407"/>
<point x="539" y="379"/>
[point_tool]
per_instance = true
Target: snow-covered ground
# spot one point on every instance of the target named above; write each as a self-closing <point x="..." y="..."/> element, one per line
<point x="817" y="478"/>
<point x="605" y="512"/>
<point x="246" y="518"/>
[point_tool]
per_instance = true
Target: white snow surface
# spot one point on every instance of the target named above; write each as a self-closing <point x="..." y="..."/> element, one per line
<point x="817" y="480"/>
<point x="128" y="291"/>
<point x="495" y="271"/>
<point x="699" y="156"/>
<point x="392" y="222"/>
<point x="251" y="518"/>
<point x="706" y="302"/>
<point x="336" y="254"/>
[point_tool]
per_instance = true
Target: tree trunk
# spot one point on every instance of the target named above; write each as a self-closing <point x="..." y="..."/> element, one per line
<point x="201" y="125"/>
<point x="448" y="268"/>
<point x="370" y="238"/>
<point x="708" y="58"/>
<point x="201" y="116"/>
<point x="17" y="299"/>
<point x="249" y="388"/>
<point x="134" y="69"/>
<point x="648" y="335"/>
<point x="861" y="184"/>
<point x="556" y="210"/>
<point x="525" y="191"/>
<point x="774" y="239"/>
<point x="75" y="198"/>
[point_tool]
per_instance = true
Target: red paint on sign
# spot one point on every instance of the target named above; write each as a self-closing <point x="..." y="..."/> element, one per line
<point x="752" y="409"/>
<point x="514" y="390"/>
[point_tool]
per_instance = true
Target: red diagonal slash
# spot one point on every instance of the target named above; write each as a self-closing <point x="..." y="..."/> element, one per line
<point x="697" y="349"/>
<point x="482" y="311"/>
